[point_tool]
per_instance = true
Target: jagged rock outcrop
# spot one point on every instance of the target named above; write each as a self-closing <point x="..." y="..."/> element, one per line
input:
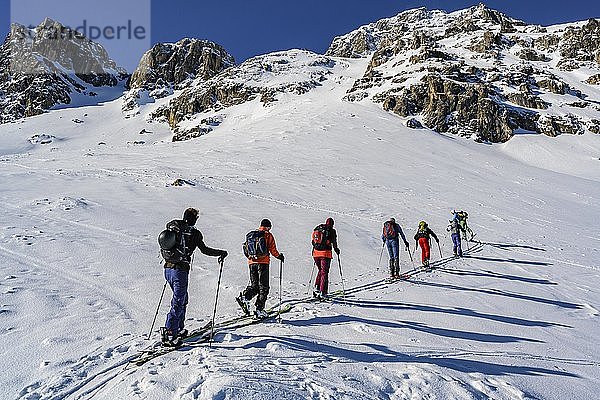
<point x="475" y="72"/>
<point x="174" y="66"/>
<point x="43" y="67"/>
<point x="260" y="78"/>
<point x="594" y="79"/>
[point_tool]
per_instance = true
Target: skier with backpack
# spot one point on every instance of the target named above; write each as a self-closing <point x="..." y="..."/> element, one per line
<point x="391" y="237"/>
<point x="259" y="244"/>
<point x="455" y="229"/>
<point x="461" y="216"/>
<point x="323" y="240"/>
<point x="178" y="242"/>
<point x="422" y="238"/>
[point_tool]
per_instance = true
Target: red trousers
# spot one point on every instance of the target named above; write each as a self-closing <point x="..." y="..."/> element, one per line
<point x="322" y="281"/>
<point x="424" y="243"/>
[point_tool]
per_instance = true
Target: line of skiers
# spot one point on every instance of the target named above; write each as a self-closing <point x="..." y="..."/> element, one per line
<point x="180" y="238"/>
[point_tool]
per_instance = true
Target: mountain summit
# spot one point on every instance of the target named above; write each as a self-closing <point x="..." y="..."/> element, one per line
<point x="51" y="65"/>
<point x="478" y="72"/>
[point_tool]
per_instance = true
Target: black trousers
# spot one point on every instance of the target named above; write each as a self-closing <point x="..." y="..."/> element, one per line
<point x="259" y="284"/>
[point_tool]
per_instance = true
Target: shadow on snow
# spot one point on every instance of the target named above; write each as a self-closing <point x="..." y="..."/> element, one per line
<point x="451" y="311"/>
<point x="383" y="354"/>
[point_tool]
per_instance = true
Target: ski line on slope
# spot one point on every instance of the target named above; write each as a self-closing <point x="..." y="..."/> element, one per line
<point x="64" y="274"/>
<point x="109" y="234"/>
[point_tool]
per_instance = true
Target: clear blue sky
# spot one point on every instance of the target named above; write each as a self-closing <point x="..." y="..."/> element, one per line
<point x="247" y="28"/>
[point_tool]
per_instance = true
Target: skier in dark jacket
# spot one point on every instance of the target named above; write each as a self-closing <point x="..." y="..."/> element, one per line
<point x="422" y="238"/>
<point x="259" y="274"/>
<point x="323" y="240"/>
<point x="177" y="267"/>
<point x="392" y="232"/>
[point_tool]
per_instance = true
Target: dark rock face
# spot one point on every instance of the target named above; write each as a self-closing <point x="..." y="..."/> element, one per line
<point x="174" y="66"/>
<point x="466" y="81"/>
<point x="43" y="67"/>
<point x="179" y="63"/>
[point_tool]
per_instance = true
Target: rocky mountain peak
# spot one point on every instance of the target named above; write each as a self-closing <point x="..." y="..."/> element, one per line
<point x="174" y="66"/>
<point x="46" y="66"/>
<point x="477" y="72"/>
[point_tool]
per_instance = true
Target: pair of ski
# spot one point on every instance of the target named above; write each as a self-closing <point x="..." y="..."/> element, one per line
<point x="203" y="335"/>
<point x="401" y="277"/>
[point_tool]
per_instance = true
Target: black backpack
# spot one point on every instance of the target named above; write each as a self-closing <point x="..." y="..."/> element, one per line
<point x="179" y="252"/>
<point x="255" y="246"/>
<point x="320" y="238"/>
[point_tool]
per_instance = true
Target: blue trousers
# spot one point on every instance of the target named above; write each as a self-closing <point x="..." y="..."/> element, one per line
<point x="456" y="244"/>
<point x="393" y="246"/>
<point x="178" y="281"/>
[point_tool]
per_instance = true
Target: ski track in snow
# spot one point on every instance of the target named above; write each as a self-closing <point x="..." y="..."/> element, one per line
<point x="262" y="365"/>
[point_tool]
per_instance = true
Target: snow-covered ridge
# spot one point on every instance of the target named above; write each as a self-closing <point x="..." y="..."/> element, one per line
<point x="51" y="66"/>
<point x="264" y="77"/>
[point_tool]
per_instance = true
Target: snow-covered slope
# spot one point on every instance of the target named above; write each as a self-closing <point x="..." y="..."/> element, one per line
<point x="85" y="192"/>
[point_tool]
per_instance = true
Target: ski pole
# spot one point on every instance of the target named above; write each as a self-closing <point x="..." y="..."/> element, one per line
<point x="312" y="271"/>
<point x="410" y="254"/>
<point x="441" y="256"/>
<point x="380" y="255"/>
<point x="280" y="280"/>
<point x="157" y="308"/>
<point x="212" y="325"/>
<point x="341" y="276"/>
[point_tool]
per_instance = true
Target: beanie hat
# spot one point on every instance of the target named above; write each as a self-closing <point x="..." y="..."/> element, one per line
<point x="190" y="216"/>
<point x="266" y="223"/>
<point x="329" y="221"/>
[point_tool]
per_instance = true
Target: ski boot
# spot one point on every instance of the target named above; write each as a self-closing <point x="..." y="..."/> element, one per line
<point x="168" y="339"/>
<point x="244" y="304"/>
<point x="260" y="314"/>
<point x="396" y="274"/>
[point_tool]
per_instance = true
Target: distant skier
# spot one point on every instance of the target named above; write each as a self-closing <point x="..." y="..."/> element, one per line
<point x="323" y="240"/>
<point x="178" y="242"/>
<point x="461" y="216"/>
<point x="391" y="237"/>
<point x="259" y="243"/>
<point x="422" y="238"/>
<point x="455" y="229"/>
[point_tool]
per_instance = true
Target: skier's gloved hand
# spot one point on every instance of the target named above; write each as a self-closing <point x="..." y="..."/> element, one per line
<point x="222" y="256"/>
<point x="281" y="257"/>
<point x="337" y="251"/>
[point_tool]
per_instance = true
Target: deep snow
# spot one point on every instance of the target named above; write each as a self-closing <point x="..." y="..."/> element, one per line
<point x="80" y="273"/>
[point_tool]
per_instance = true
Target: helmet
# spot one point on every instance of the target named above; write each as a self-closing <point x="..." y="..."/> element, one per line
<point x="329" y="221"/>
<point x="422" y="224"/>
<point x="392" y="219"/>
<point x="167" y="239"/>
<point x="266" y="223"/>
